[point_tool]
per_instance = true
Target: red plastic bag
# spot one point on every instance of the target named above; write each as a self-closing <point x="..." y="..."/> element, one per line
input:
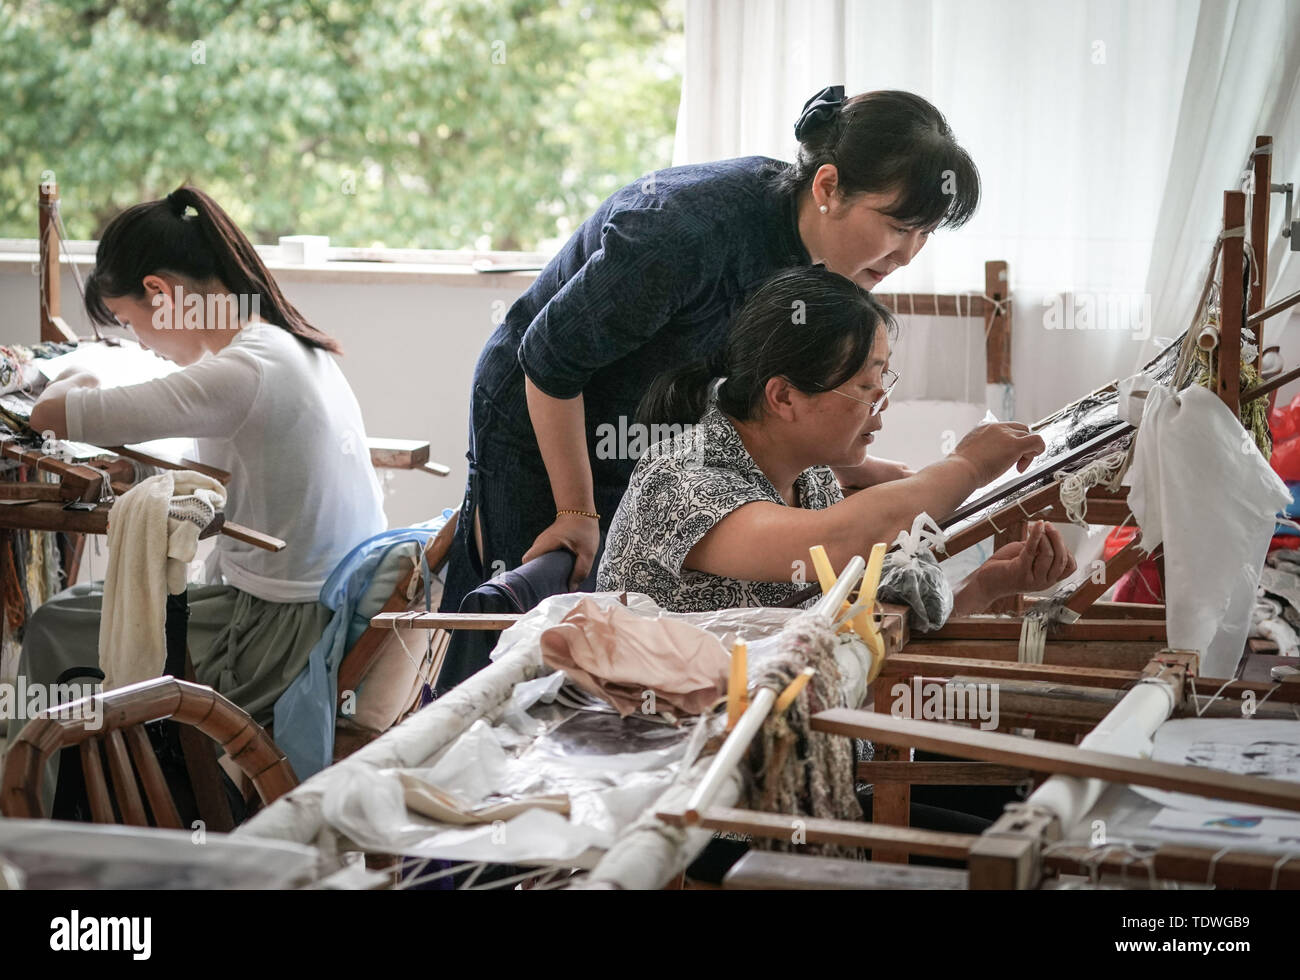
<point x="1140" y="584"/>
<point x="1286" y="460"/>
<point x="1284" y="422"/>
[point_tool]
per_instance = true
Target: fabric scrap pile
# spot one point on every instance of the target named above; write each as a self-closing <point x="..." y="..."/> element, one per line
<point x="635" y="662"/>
<point x="649" y="666"/>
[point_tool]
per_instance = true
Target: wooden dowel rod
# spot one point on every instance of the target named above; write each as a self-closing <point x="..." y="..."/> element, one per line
<point x="1285" y="303"/>
<point x="1059" y="759"/>
<point x="445" y="621"/>
<point x="149" y="459"/>
<point x="1268" y="387"/>
<point x="237" y="531"/>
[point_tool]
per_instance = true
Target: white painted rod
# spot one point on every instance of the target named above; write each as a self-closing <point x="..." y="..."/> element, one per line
<point x="730" y="754"/>
<point x="1126" y="730"/>
<point x="828" y="606"/>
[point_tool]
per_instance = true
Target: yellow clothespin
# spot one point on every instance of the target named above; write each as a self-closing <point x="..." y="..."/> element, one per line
<point x="864" y="623"/>
<point x="738" y="684"/>
<point x="792" y="691"/>
<point x="826" y="575"/>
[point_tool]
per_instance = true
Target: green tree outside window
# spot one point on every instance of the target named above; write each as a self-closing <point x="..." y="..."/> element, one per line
<point x="398" y="123"/>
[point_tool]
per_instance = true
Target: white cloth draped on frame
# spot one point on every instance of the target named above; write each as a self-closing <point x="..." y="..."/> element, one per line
<point x="1200" y="487"/>
<point x="153" y="533"/>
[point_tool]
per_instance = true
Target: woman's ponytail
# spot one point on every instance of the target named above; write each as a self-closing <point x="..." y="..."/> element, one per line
<point x="680" y="397"/>
<point x="164" y="237"/>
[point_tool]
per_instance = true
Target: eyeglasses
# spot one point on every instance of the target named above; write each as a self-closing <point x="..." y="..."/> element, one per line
<point x="889" y="378"/>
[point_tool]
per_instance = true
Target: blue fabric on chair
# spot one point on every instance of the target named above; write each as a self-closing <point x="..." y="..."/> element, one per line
<point x="515" y="591"/>
<point x="305" y="712"/>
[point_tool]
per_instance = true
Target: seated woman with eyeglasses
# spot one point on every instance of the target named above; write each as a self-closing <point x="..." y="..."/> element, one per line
<point x="722" y="515"/>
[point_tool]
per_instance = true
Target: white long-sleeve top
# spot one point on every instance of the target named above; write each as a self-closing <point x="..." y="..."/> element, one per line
<point x="280" y="417"/>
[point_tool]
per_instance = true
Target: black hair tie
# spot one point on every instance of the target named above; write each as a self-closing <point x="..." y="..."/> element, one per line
<point x="176" y="205"/>
<point x="821" y="109"/>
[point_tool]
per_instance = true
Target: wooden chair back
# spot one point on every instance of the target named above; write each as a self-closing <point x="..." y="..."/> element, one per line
<point x="365" y="653"/>
<point x="114" y="731"/>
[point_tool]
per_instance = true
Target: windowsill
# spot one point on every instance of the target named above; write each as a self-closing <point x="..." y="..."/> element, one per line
<point x="345" y="265"/>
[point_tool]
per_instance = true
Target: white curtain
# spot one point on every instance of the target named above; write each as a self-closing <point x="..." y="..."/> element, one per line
<point x="1244" y="81"/>
<point x="1104" y="131"/>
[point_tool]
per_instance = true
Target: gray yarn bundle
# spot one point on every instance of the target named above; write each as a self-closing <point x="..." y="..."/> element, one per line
<point x="792" y="769"/>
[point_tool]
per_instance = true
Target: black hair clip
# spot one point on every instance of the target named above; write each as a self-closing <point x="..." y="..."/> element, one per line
<point x="822" y="108"/>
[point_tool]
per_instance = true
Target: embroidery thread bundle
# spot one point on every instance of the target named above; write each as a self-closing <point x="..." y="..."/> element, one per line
<point x="793" y="769"/>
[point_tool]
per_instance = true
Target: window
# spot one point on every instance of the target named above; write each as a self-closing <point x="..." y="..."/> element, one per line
<point x="445" y="124"/>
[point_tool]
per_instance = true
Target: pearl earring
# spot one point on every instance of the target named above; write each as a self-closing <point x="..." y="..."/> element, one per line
<point x="823" y="209"/>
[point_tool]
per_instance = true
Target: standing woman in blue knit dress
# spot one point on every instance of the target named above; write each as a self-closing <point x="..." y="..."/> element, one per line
<point x="648" y="284"/>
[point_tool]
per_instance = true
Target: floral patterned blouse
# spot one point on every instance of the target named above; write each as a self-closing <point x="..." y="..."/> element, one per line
<point x="679" y="490"/>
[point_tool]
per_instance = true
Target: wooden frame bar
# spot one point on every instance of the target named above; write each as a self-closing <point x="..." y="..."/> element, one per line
<point x="53" y="327"/>
<point x="76" y="480"/>
<point x="1066" y="760"/>
<point x="1262" y="177"/>
<point x="1227" y="375"/>
<point x="820" y="831"/>
<point x="996" y="314"/>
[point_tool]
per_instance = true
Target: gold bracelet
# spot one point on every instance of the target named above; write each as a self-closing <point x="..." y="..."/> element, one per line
<point x="579" y="513"/>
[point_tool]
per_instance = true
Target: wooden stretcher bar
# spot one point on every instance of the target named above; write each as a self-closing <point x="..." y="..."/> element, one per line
<point x="821" y="831"/>
<point x="1261" y="183"/>
<point x="398" y="453"/>
<point x="994" y="307"/>
<point x="891" y="620"/>
<point x="1050" y="757"/>
<point x="1018" y="850"/>
<point x="393" y="454"/>
<point x="1227" y="369"/>
<point x="45" y="515"/>
<point x="53" y="326"/>
<point x="76" y="480"/>
<point x="987" y="628"/>
<point x="404" y="454"/>
<point x="444" y="621"/>
<point x="166" y="463"/>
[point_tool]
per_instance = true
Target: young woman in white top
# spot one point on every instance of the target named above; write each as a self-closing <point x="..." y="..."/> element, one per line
<point x="264" y="398"/>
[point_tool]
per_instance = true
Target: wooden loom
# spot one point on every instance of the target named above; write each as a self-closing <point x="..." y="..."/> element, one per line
<point x="1083" y="678"/>
<point x="1023" y="849"/>
<point x="1103" y="636"/>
